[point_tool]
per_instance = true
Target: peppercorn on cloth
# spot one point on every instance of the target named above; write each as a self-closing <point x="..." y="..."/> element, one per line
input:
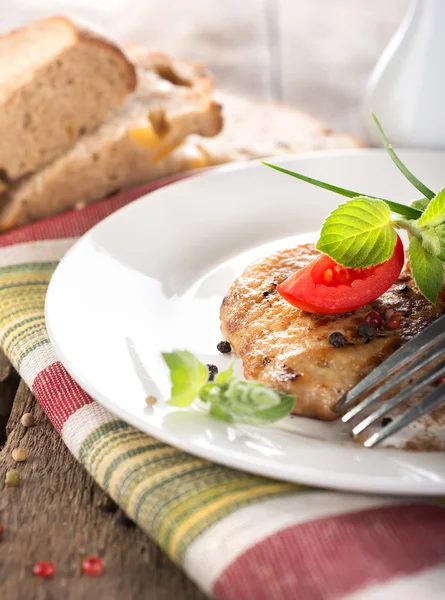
<point x="239" y="536"/>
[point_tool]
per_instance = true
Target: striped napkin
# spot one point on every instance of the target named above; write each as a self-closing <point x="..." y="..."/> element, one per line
<point x="239" y="536"/>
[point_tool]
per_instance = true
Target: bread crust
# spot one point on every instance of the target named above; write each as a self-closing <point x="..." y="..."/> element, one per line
<point x="35" y="110"/>
<point x="196" y="74"/>
<point x="99" y="40"/>
<point x="115" y="156"/>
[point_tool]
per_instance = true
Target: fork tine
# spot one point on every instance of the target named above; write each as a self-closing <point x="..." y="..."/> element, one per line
<point x="425" y="405"/>
<point x="432" y="334"/>
<point x="410" y="369"/>
<point x="404" y="394"/>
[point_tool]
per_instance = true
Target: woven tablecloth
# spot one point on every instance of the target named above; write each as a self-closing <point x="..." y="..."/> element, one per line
<point x="239" y="536"/>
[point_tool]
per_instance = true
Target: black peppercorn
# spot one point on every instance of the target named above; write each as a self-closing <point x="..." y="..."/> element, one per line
<point x="224" y="347"/>
<point x="265" y="294"/>
<point x="366" y="331"/>
<point x="386" y="421"/>
<point x="213" y="370"/>
<point x="337" y="339"/>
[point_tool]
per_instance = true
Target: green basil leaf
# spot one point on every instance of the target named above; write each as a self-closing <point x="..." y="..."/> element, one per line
<point x="435" y="211"/>
<point x="440" y="230"/>
<point x="219" y="411"/>
<point x="400" y="209"/>
<point x="431" y="241"/>
<point x="211" y="392"/>
<point x="275" y="413"/>
<point x="420" y="203"/>
<point x="225" y="377"/>
<point x="187" y="375"/>
<point x="358" y="233"/>
<point x="427" y="270"/>
<point x="399" y="164"/>
<point x="251" y="403"/>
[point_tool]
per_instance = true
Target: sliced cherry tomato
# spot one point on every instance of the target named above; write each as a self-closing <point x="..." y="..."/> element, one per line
<point x="325" y="287"/>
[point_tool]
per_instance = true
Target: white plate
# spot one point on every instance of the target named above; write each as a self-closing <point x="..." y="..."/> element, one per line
<point x="151" y="277"/>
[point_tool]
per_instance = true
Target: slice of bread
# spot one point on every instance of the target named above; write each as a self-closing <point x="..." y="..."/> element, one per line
<point x="138" y="142"/>
<point x="256" y="130"/>
<point x="134" y="145"/>
<point x="58" y="80"/>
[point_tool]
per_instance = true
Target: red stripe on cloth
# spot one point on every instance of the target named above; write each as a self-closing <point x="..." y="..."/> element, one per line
<point x="58" y="394"/>
<point x="326" y="559"/>
<point x="77" y="222"/>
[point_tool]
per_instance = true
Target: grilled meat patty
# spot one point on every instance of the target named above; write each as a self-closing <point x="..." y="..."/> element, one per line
<point x="288" y="349"/>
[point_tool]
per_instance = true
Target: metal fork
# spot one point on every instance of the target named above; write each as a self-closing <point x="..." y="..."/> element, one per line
<point x="418" y="365"/>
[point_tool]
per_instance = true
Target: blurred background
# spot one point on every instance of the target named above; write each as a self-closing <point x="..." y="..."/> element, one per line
<point x="314" y="54"/>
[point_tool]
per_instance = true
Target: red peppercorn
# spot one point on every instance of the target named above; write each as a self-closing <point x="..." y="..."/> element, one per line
<point x="2" y="532"/>
<point x="44" y="568"/>
<point x="389" y="314"/>
<point x="374" y="319"/>
<point x="92" y="566"/>
<point x="440" y="380"/>
<point x="393" y="319"/>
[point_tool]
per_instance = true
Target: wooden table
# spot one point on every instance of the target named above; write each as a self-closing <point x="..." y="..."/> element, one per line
<point x="315" y="54"/>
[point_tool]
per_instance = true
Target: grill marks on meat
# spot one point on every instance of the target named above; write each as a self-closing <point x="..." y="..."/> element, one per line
<point x="288" y="349"/>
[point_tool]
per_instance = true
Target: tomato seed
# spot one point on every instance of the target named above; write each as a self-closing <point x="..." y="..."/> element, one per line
<point x="44" y="568"/>
<point x="92" y="566"/>
<point x="328" y="275"/>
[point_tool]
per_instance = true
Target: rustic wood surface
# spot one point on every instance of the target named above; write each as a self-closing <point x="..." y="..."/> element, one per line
<point x="54" y="515"/>
<point x="314" y="54"/>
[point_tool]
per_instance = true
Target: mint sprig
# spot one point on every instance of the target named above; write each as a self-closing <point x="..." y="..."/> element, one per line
<point x="420" y="204"/>
<point x="187" y="374"/>
<point x="358" y="233"/>
<point x="229" y="399"/>
<point x="427" y="270"/>
<point x="434" y="214"/>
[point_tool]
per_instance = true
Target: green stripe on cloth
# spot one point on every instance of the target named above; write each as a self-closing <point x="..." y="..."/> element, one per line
<point x="174" y="496"/>
<point x="22" y="300"/>
<point x="23" y="352"/>
<point x="29" y="267"/>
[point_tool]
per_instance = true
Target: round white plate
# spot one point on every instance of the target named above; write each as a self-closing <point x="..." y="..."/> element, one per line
<point x="151" y="277"/>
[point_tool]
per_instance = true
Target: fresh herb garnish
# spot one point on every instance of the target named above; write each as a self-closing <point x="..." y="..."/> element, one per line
<point x="396" y="160"/>
<point x="427" y="269"/>
<point x="360" y="233"/>
<point x="187" y="374"/>
<point x="357" y="232"/>
<point x="412" y="212"/>
<point x="229" y="399"/>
